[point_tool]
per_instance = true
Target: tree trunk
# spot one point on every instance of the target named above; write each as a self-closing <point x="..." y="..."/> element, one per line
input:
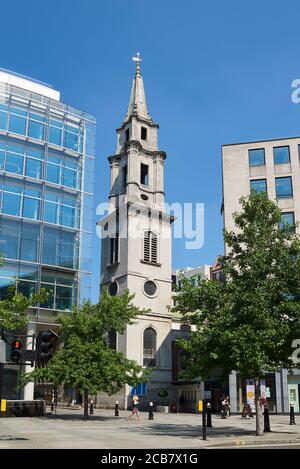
<point x="258" y="408"/>
<point x="85" y="405"/>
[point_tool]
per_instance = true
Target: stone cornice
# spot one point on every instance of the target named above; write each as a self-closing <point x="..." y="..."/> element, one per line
<point x="137" y="146"/>
<point x="155" y="212"/>
<point x="114" y="159"/>
<point x="135" y="115"/>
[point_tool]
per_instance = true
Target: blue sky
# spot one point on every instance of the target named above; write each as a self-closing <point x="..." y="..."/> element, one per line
<point x="215" y="72"/>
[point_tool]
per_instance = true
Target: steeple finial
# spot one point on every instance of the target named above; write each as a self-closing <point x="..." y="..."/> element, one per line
<point x="137" y="103"/>
<point x="138" y="60"/>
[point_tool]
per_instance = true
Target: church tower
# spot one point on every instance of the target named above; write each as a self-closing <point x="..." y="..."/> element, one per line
<point x="136" y="245"/>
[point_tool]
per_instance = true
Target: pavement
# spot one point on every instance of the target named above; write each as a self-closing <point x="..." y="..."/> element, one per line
<point x="104" y="430"/>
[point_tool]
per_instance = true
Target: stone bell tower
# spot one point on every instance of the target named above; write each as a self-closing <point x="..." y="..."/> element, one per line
<point x="136" y="244"/>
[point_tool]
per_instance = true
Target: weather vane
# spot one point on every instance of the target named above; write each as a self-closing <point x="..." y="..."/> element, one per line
<point x="138" y="60"/>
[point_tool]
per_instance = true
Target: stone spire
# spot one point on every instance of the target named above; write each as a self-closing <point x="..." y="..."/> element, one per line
<point x="137" y="103"/>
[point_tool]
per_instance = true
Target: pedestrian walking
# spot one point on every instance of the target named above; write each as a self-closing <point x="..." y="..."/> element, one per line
<point x="223" y="408"/>
<point x="181" y="402"/>
<point x="134" y="407"/>
<point x="227" y="406"/>
<point x="247" y="412"/>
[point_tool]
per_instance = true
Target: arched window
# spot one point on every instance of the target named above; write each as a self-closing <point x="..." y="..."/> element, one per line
<point x="112" y="339"/>
<point x="183" y="360"/>
<point x="150" y="246"/>
<point x="149" y="359"/>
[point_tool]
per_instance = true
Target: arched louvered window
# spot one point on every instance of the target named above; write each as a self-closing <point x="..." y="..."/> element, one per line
<point x="112" y="339"/>
<point x="149" y="358"/>
<point x="114" y="249"/>
<point x="150" y="247"/>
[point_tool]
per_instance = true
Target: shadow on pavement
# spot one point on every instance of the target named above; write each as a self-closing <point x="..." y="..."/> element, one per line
<point x="79" y="417"/>
<point x="12" y="438"/>
<point x="187" y="431"/>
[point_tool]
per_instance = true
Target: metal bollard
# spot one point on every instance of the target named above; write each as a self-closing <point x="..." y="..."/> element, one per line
<point x="204" y="423"/>
<point x="52" y="405"/>
<point x="292" y="415"/>
<point x="117" y="409"/>
<point x="266" y="420"/>
<point x="151" y="416"/>
<point x="209" y="424"/>
<point x="91" y="407"/>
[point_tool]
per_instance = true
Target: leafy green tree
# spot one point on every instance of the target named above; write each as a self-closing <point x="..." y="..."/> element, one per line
<point x="13" y="308"/>
<point x="86" y="360"/>
<point x="249" y="322"/>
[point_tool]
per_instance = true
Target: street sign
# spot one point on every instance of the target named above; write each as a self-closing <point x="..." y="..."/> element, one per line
<point x="3" y="405"/>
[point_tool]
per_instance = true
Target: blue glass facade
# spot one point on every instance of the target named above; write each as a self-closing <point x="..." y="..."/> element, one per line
<point x="46" y="186"/>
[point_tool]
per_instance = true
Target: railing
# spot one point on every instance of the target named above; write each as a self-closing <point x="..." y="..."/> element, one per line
<point x="34" y="80"/>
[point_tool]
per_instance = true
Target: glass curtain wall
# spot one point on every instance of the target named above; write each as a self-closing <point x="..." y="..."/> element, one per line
<point x="47" y="156"/>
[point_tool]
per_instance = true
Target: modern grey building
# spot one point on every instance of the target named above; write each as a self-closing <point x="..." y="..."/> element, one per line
<point x="191" y="273"/>
<point x="272" y="166"/>
<point x="47" y="156"/>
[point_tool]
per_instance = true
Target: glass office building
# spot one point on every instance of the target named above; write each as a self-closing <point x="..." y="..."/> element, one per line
<point x="47" y="156"/>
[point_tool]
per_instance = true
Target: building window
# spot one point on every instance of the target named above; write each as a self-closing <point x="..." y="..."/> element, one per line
<point x="149" y="356"/>
<point x="259" y="185"/>
<point x="284" y="188"/>
<point x="21" y="200"/>
<point x="17" y="120"/>
<point x="127" y="135"/>
<point x="71" y="136"/>
<point x="185" y="328"/>
<point x="64" y="300"/>
<point x="287" y="218"/>
<point x="145" y="174"/>
<point x="29" y="242"/>
<point x="14" y="163"/>
<point x="257" y="157"/>
<point x="113" y="288"/>
<point x="53" y="173"/>
<point x="124" y="177"/>
<point x="150" y="288"/>
<point x="11" y="203"/>
<point x="114" y="249"/>
<point x="62" y="171"/>
<point x="61" y="289"/>
<point x="281" y="155"/>
<point x="36" y="128"/>
<point x="150" y="246"/>
<point x="61" y="209"/>
<point x="33" y="168"/>
<point x="55" y="131"/>
<point x="143" y="133"/>
<point x="27" y="289"/>
<point x="10" y="239"/>
<point x="3" y="116"/>
<point x="112" y="339"/>
<point x="31" y="208"/>
<point x="140" y="390"/>
<point x="60" y="248"/>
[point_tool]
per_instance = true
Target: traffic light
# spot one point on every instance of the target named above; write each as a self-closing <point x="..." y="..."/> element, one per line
<point x="16" y="350"/>
<point x="45" y="346"/>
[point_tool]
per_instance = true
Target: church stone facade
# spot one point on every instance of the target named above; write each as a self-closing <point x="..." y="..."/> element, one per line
<point x="136" y="248"/>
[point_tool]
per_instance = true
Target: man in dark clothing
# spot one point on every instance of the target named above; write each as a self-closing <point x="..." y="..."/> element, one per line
<point x="181" y="402"/>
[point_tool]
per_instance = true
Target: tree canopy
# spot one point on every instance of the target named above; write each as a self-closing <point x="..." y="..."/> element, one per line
<point x="86" y="359"/>
<point x="13" y="309"/>
<point x="249" y="322"/>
